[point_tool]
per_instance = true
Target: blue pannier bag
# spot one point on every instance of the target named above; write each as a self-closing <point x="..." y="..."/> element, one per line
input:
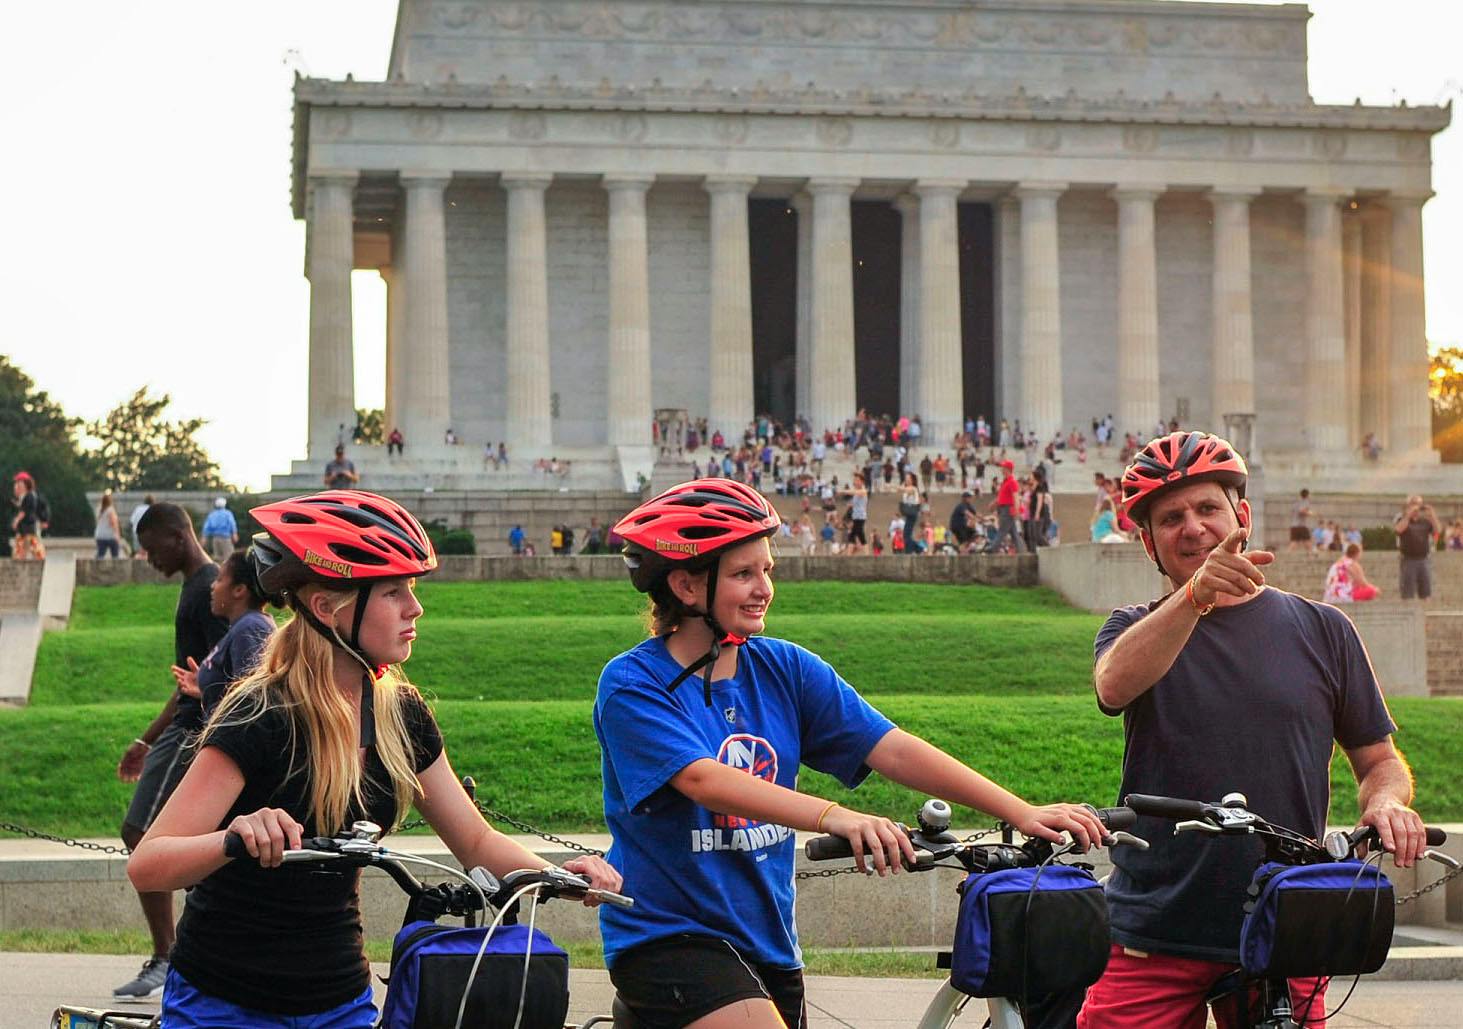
<point x="430" y="964"/>
<point x="1026" y="932"/>
<point x="1313" y="920"/>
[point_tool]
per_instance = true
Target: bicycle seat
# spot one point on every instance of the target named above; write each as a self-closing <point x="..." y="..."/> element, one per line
<point x="623" y="1016"/>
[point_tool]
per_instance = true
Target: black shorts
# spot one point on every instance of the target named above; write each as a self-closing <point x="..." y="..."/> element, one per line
<point x="856" y="532"/>
<point x="162" y="770"/>
<point x="1300" y="534"/>
<point x="672" y="982"/>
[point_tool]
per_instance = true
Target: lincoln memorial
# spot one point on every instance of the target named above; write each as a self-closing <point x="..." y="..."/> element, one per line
<point x="1045" y="210"/>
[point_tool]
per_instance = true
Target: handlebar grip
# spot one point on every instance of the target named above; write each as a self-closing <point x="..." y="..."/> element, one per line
<point x="827" y="848"/>
<point x="234" y="845"/>
<point x="1436" y="837"/>
<point x="1164" y="807"/>
<point x="1115" y="818"/>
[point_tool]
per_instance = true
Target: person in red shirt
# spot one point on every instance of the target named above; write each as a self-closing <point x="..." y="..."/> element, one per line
<point x="1005" y="507"/>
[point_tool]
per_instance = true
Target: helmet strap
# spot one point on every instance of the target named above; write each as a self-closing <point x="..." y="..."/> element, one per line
<point x="719" y="638"/>
<point x="372" y="672"/>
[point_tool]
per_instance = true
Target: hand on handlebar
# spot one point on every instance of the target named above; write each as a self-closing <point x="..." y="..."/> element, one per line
<point x="267" y="834"/>
<point x="1228" y="572"/>
<point x="600" y="873"/>
<point x="1048" y="823"/>
<point x="1402" y="831"/>
<point x="887" y="845"/>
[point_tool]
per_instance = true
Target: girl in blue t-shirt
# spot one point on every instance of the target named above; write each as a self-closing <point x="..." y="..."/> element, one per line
<point x="701" y="783"/>
<point x="236" y="596"/>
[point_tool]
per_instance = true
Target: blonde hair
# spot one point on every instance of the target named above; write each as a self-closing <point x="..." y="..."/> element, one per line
<point x="296" y="675"/>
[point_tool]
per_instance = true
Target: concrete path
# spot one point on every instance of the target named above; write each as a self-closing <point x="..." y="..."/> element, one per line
<point x="31" y="985"/>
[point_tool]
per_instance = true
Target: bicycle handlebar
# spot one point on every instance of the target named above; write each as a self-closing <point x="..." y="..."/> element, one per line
<point x="1164" y="807"/>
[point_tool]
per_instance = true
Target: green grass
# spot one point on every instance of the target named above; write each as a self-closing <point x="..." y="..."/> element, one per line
<point x="999" y="677"/>
<point x="901" y="964"/>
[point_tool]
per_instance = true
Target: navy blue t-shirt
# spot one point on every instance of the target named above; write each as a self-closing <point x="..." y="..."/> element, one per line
<point x="692" y="870"/>
<point x="1254" y="703"/>
<point x="233" y="657"/>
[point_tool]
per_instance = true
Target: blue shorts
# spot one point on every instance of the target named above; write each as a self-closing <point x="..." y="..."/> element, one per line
<point x="187" y="1007"/>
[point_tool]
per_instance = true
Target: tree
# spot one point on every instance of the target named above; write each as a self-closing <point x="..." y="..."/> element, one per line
<point x="138" y="449"/>
<point x="1445" y="387"/>
<point x="370" y="426"/>
<point x="37" y="436"/>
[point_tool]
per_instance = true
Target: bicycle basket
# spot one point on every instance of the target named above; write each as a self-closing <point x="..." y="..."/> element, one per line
<point x="1312" y="920"/>
<point x="429" y="969"/>
<point x="1024" y="934"/>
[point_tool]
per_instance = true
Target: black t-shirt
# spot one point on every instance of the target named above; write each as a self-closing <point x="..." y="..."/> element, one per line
<point x="28" y="522"/>
<point x="1416" y="539"/>
<point x="1253" y="703"/>
<point x="196" y="630"/>
<point x="287" y="940"/>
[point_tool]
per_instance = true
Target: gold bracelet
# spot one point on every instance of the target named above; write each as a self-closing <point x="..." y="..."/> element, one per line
<point x="831" y="805"/>
<point x="1190" y="591"/>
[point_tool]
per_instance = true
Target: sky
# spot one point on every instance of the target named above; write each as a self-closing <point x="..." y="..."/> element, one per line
<point x="149" y="239"/>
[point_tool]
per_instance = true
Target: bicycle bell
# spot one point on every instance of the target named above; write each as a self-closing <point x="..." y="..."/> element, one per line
<point x="1337" y="844"/>
<point x="368" y="831"/>
<point x="934" y="817"/>
<point x="1238" y="800"/>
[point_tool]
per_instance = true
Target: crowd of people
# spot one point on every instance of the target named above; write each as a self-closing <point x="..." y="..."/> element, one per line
<point x="711" y="938"/>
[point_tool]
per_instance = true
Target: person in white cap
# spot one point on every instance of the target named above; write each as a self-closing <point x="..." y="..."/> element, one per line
<point x="220" y="531"/>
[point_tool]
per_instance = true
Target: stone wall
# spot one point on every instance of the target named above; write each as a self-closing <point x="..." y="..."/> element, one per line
<point x="20" y="584"/>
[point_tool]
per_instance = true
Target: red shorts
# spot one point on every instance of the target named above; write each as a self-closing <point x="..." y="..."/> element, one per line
<point x="1168" y="991"/>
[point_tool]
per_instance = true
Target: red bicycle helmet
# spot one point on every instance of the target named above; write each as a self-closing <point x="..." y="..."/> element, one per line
<point x="688" y="526"/>
<point x="1177" y="459"/>
<point x="336" y="538"/>
<point x="689" y="523"/>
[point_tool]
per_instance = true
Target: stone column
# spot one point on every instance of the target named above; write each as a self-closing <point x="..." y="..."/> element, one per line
<point x="1007" y="370"/>
<point x="831" y="396"/>
<point x="1325" y="408"/>
<point x="1041" y="309"/>
<point x="909" y="353"/>
<point x="1233" y="327"/>
<point x="395" y="347"/>
<point x="630" y="412"/>
<point x="940" y="399"/>
<point x="1376" y="315"/>
<point x="732" y="404"/>
<point x="1351" y="320"/>
<point x="529" y="425"/>
<point x="802" y="203"/>
<point x="426" y="406"/>
<point x="330" y="243"/>
<point x="1138" y="402"/>
<point x="1409" y="412"/>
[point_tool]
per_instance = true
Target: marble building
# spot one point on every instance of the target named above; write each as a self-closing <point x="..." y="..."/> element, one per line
<point x="585" y="210"/>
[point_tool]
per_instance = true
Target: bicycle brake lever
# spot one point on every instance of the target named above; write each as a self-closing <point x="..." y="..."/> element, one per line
<point x="1194" y="825"/>
<point x="1125" y="839"/>
<point x="1442" y="859"/>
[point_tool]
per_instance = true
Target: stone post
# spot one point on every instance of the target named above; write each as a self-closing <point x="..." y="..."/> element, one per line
<point x="909" y="353"/>
<point x="395" y="347"/>
<point x="831" y="397"/>
<point x="630" y="412"/>
<point x="1351" y="321"/>
<point x="1041" y="309"/>
<point x="1138" y="401"/>
<point x="1409" y="410"/>
<point x="330" y="235"/>
<point x="940" y="399"/>
<point x="732" y="403"/>
<point x="526" y="338"/>
<point x="427" y="412"/>
<point x="1233" y="326"/>
<point x="1376" y="314"/>
<point x="1325" y="408"/>
<point x="802" y="203"/>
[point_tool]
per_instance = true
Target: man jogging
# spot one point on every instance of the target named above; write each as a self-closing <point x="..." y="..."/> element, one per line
<point x="157" y="759"/>
<point x="1225" y="684"/>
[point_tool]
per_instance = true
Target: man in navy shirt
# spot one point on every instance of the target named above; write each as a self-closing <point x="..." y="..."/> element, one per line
<point x="1225" y="684"/>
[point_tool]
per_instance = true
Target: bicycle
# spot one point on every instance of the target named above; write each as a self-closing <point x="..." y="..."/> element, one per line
<point x="1264" y="1000"/>
<point x="935" y="847"/>
<point x="478" y="891"/>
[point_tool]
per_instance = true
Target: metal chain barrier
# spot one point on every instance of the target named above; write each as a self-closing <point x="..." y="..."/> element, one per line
<point x="1422" y="891"/>
<point x="36" y="834"/>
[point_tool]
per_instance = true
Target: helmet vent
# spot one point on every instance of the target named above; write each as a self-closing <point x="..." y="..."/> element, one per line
<point x="356" y="555"/>
<point x="296" y="518"/>
<point x="703" y="532"/>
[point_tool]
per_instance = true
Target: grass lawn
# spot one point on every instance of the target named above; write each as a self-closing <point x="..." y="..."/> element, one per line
<point x="998" y="677"/>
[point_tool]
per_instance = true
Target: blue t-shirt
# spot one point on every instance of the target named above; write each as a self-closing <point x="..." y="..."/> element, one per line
<point x="692" y="870"/>
<point x="1254" y="702"/>
<point x="234" y="657"/>
<point x="220" y="522"/>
